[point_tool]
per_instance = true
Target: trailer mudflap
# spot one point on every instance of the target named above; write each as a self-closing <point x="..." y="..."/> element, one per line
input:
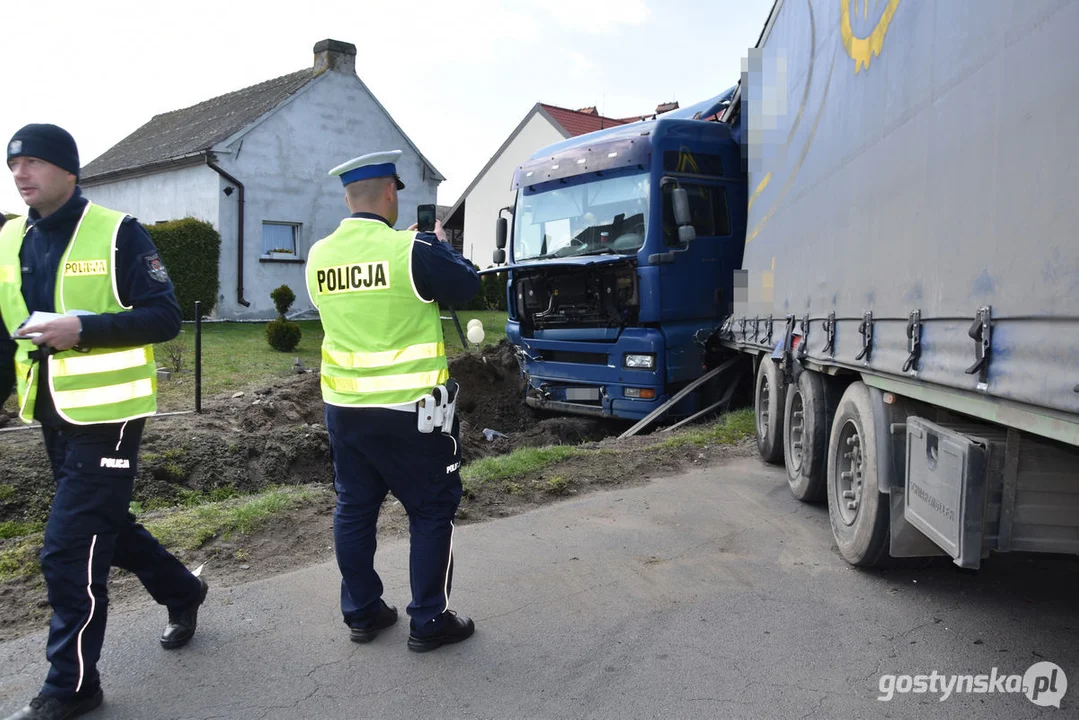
<point x="945" y="493"/>
<point x="905" y="540"/>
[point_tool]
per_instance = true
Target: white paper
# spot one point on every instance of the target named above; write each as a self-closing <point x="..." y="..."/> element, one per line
<point x="36" y="318"/>
<point x="39" y="318"/>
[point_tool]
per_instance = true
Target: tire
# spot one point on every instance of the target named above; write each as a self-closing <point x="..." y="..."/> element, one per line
<point x="857" y="510"/>
<point x="808" y="413"/>
<point x="768" y="408"/>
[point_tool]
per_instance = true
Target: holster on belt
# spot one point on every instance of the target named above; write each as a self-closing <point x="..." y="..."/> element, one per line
<point x="438" y="408"/>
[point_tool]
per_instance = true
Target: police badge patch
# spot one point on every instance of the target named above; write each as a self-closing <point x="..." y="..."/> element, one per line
<point x="156" y="268"/>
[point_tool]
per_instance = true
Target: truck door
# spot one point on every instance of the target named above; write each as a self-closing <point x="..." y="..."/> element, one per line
<point x="695" y="278"/>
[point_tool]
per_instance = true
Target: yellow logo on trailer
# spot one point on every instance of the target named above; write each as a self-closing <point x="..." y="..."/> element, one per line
<point x="863" y="49"/>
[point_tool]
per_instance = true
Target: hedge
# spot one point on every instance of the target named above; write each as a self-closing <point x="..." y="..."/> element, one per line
<point x="491" y="295"/>
<point x="493" y="290"/>
<point x="191" y="251"/>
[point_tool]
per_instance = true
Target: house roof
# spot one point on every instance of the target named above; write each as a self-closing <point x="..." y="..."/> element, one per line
<point x="570" y="123"/>
<point x="196" y="129"/>
<point x="579" y="122"/>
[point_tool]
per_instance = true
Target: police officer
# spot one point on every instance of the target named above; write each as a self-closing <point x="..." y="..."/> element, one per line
<point x="87" y="374"/>
<point x="378" y="291"/>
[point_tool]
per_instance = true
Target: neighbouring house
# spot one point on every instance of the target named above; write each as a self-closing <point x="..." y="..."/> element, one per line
<point x="254" y="164"/>
<point x="472" y="218"/>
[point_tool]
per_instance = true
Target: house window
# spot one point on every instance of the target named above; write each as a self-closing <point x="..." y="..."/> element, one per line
<point x="279" y="240"/>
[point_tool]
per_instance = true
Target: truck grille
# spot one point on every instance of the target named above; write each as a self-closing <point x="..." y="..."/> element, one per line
<point x="582" y="358"/>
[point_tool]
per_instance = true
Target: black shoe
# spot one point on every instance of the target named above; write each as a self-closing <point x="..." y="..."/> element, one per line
<point x="387" y="616"/>
<point x="45" y="707"/>
<point x="182" y="622"/>
<point x="454" y="630"/>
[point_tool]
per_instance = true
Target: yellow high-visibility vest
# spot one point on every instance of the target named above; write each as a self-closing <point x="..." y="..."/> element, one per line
<point x="102" y="384"/>
<point x="383" y="343"/>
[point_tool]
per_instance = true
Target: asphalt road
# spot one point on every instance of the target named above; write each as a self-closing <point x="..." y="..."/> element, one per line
<point x="708" y="595"/>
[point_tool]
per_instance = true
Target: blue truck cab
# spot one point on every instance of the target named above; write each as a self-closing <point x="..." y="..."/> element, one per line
<point x="606" y="292"/>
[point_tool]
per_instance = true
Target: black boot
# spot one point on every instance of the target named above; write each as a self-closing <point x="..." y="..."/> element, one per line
<point x="46" y="707"/>
<point x="182" y="622"/>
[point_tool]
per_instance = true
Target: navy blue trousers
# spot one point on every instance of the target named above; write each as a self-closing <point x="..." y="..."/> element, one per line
<point x="376" y="451"/>
<point x="88" y="531"/>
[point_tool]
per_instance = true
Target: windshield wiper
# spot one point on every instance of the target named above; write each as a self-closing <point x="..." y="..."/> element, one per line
<point x="552" y="254"/>
<point x="600" y="251"/>
<point x="545" y="256"/>
<point x="594" y="251"/>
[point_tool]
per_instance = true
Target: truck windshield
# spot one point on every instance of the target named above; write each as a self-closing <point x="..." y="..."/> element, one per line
<point x="606" y="215"/>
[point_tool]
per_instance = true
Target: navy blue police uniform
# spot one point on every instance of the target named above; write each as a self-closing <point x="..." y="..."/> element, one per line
<point x="89" y="527"/>
<point x="378" y="450"/>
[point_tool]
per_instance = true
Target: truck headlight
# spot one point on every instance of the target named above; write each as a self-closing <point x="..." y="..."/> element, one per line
<point x="639" y="361"/>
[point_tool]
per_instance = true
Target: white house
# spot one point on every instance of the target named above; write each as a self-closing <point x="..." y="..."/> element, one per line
<point x="254" y="164"/>
<point x="475" y="213"/>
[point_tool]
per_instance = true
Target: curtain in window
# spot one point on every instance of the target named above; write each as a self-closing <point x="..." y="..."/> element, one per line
<point x="279" y="238"/>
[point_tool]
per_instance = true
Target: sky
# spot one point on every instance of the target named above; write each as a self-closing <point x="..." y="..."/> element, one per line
<point x="457" y="75"/>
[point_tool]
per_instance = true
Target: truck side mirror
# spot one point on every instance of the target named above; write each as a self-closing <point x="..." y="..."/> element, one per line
<point x="680" y="202"/>
<point x="499" y="256"/>
<point x="501" y="231"/>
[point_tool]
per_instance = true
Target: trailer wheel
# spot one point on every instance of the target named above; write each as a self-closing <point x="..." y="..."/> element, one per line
<point x="810" y="408"/>
<point x="858" y="511"/>
<point x="768" y="405"/>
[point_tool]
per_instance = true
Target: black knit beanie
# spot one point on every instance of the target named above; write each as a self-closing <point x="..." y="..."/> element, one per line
<point x="50" y="143"/>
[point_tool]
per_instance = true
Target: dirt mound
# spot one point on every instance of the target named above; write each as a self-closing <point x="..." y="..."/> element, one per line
<point x="492" y="399"/>
<point x="276" y="434"/>
<point x="492" y="389"/>
<point x="293" y="401"/>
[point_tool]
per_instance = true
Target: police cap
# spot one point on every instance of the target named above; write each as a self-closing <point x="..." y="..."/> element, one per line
<point x="372" y="165"/>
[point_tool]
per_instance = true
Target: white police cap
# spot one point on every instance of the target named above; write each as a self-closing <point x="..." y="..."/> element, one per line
<point x="371" y="165"/>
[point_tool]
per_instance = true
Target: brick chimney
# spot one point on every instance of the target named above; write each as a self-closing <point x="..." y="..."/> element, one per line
<point x="666" y="107"/>
<point x="335" y="55"/>
<point x="590" y="110"/>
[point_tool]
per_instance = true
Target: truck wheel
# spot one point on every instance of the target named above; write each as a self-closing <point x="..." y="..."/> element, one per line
<point x="810" y="408"/>
<point x="768" y="405"/>
<point x="858" y="511"/>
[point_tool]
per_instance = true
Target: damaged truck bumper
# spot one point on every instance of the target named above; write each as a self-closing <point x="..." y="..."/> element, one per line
<point x="622" y="378"/>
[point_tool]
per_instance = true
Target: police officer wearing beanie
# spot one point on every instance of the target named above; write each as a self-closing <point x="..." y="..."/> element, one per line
<point x="87" y="374"/>
<point x="377" y="291"/>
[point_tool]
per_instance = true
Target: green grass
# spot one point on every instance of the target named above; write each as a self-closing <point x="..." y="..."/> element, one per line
<point x="19" y="559"/>
<point x="179" y="529"/>
<point x="494" y="328"/>
<point x="191" y="528"/>
<point x="557" y="485"/>
<point x="187" y="499"/>
<point x="7" y="493"/>
<point x="518" y="462"/>
<point x="730" y="429"/>
<point x="236" y="355"/>
<point x="16" y="528"/>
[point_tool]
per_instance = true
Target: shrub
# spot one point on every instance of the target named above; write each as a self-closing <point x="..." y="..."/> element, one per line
<point x="491" y="295"/>
<point x="283" y="335"/>
<point x="283" y="297"/>
<point x="191" y="251"/>
<point x="174" y="352"/>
